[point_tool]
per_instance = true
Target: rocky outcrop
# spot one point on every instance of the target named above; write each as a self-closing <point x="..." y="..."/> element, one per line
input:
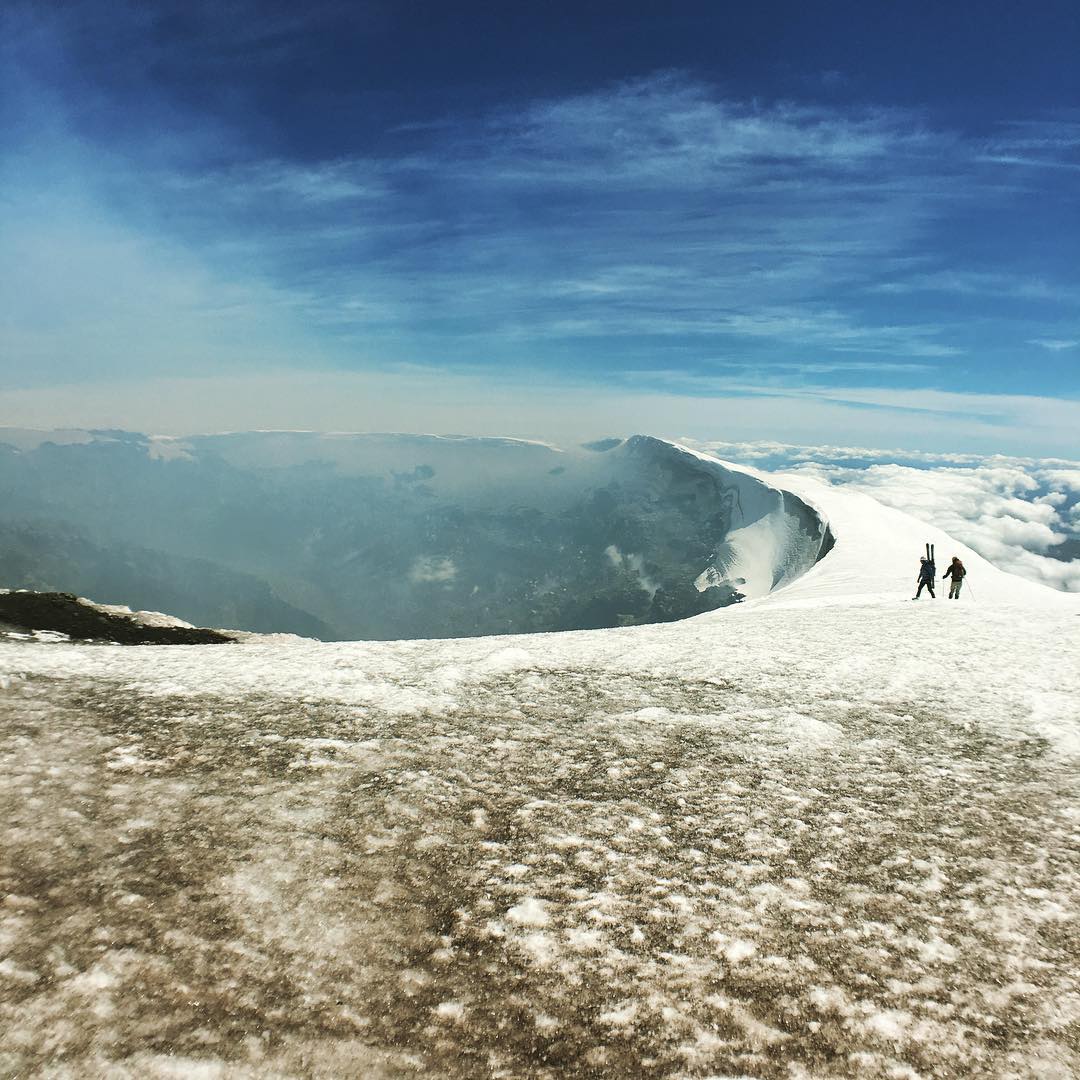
<point x="65" y="613"/>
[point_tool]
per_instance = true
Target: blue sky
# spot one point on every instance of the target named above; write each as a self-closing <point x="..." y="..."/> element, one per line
<point x="770" y="221"/>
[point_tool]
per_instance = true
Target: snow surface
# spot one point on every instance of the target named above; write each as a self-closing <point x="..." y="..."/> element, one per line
<point x="827" y="832"/>
<point x="143" y="618"/>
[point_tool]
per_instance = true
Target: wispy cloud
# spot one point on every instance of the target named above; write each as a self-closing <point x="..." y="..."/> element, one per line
<point x="1056" y="344"/>
<point x="976" y="283"/>
<point x="675" y="132"/>
<point x="758" y="224"/>
<point x="288" y="184"/>
<point x="1041" y="144"/>
<point x="84" y="296"/>
<point x="642" y="224"/>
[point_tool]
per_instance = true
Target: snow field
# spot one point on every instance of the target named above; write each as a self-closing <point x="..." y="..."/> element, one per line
<point x="592" y="855"/>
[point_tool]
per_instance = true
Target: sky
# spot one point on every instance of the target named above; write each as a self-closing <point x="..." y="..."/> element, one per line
<point x="805" y="222"/>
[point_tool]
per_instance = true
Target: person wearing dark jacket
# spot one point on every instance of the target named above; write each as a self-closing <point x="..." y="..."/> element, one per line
<point x="956" y="571"/>
<point x="926" y="578"/>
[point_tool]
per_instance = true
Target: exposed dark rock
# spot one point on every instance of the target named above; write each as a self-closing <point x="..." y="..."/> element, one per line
<point x="65" y="613"/>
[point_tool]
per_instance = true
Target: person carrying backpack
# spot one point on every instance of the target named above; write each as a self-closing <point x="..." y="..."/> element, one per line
<point x="956" y="571"/>
<point x="926" y="578"/>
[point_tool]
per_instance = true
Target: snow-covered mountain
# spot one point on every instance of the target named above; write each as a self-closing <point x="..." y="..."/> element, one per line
<point x="393" y="536"/>
<point x="825" y="832"/>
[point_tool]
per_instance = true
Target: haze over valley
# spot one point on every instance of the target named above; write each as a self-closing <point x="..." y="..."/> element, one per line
<point x="393" y="536"/>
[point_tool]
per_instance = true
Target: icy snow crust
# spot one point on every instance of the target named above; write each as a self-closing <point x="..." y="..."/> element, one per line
<point x="827" y="832"/>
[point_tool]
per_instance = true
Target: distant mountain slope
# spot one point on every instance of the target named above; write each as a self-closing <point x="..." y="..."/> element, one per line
<point x="51" y="556"/>
<point x="66" y="615"/>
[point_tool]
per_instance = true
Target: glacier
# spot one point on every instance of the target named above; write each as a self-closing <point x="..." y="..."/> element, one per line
<point x="822" y="832"/>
